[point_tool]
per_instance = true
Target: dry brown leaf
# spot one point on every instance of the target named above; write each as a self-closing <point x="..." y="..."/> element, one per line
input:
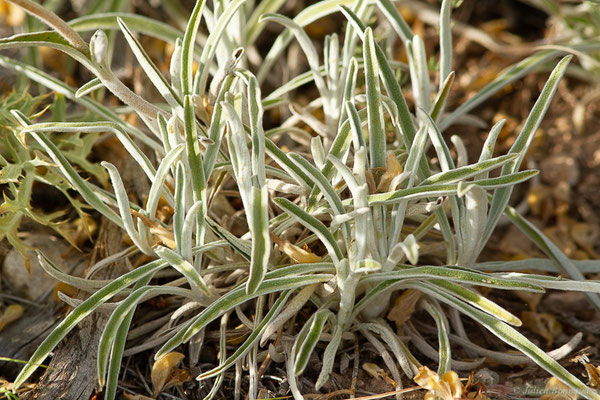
<point x="65" y="288"/>
<point x="178" y="377"/>
<point x="298" y="254"/>
<point x="556" y="390"/>
<point x="378" y="373"/>
<point x="163" y="369"/>
<point x="392" y="169"/>
<point x="404" y="306"/>
<point x="80" y="230"/>
<point x="593" y="375"/>
<point x="10" y="315"/>
<point x="544" y="324"/>
<point x="447" y="388"/>
<point x="162" y="234"/>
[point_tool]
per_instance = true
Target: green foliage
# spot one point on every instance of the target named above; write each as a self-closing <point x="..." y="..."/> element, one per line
<point x="366" y="190"/>
<point x="23" y="166"/>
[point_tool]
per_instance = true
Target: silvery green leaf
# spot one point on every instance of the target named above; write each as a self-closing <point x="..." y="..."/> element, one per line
<point x="46" y="39"/>
<point x="389" y="81"/>
<point x="188" y="47"/>
<point x="138" y="23"/>
<point x="377" y="137"/>
<point x="151" y="70"/>
<point x="192" y="147"/>
<point x="506" y="77"/>
<point x="95" y="107"/>
<point x="475" y="218"/>
<point x="305" y="17"/>
<point x="125" y="211"/>
<point x="184" y="267"/>
<point x="89" y="87"/>
<point x="180" y="206"/>
<point x="317" y="151"/>
<point x="445" y="42"/>
<point x="469" y="171"/>
<point x="522" y="143"/>
<point x="409" y="248"/>
<point x="440" y="100"/>
<point x="159" y="178"/>
<point x="461" y="151"/>
<point x="307" y="339"/>
<point x="445" y="352"/>
<point x="365" y="266"/>
<point x="417" y="61"/>
<point x="253" y="26"/>
<point x="307" y="47"/>
<point x="395" y="19"/>
<point x="121" y="315"/>
<point x="487" y="151"/>
<point x="240" y="157"/>
<point x="261" y="242"/>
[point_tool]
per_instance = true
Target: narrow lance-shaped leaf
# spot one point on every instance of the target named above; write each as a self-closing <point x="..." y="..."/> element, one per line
<point x="419" y="73"/>
<point x="159" y="179"/>
<point x="183" y="267"/>
<point x="120" y="316"/>
<point x="473" y="221"/>
<point x="150" y="68"/>
<point x="487" y="152"/>
<point x="468" y="171"/>
<point x="377" y="153"/>
<point x="522" y="143"/>
<point x="444" y="190"/>
<point x="75" y="180"/>
<point x="187" y="48"/>
<point x="124" y="209"/>
<point x="56" y="23"/>
<point x="179" y="211"/>
<point x="307" y="339"/>
<point x="305" y="17"/>
<point x="137" y="23"/>
<point x="509" y="75"/>
<point x="89" y="87"/>
<point x="444" y="342"/>
<point x="390" y="10"/>
<point x="194" y="156"/>
<point x="261" y="242"/>
<point x="445" y="42"/>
